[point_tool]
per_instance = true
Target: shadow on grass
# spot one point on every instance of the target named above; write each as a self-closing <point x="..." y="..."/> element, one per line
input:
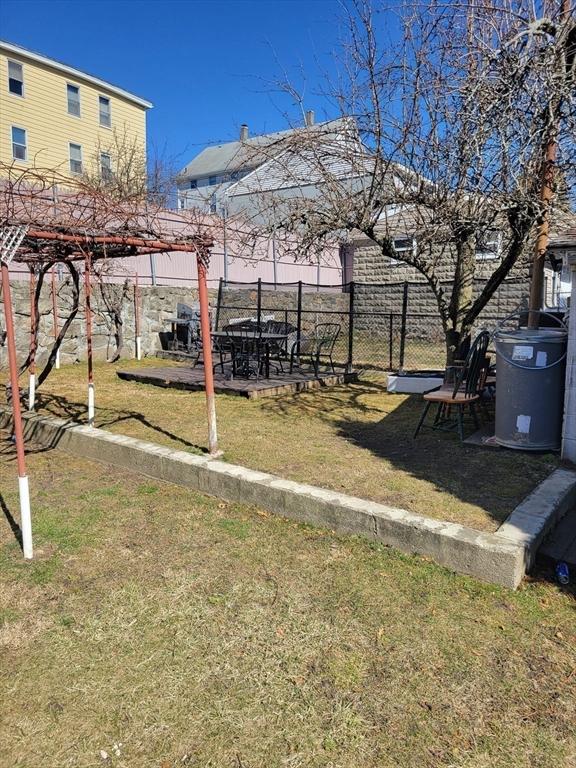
<point x="544" y="573"/>
<point x="495" y="480"/>
<point x="16" y="530"/>
<point x="61" y="407"/>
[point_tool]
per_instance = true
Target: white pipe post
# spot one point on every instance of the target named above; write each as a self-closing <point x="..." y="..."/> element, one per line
<point x="137" y="318"/>
<point x="87" y="293"/>
<point x="91" y="403"/>
<point x="31" y="391"/>
<point x="25" y="517"/>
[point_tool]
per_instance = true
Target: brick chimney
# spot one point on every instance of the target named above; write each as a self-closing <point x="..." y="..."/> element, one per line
<point x="309" y="118"/>
<point x="244" y="132"/>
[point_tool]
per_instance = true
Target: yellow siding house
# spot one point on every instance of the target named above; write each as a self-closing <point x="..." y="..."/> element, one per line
<point x="55" y="117"/>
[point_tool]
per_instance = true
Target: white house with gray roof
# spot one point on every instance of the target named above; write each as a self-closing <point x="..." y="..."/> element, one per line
<point x="227" y="178"/>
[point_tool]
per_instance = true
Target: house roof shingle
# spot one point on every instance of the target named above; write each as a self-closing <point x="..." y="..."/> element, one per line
<point x="245" y="155"/>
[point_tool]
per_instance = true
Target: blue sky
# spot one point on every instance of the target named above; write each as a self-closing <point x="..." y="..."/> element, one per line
<point x="207" y="66"/>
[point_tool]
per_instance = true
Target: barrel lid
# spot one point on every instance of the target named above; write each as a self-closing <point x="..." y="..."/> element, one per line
<point x="532" y="335"/>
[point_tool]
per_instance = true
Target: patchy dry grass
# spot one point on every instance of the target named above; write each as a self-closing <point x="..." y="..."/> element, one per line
<point x="160" y="628"/>
<point x="356" y="439"/>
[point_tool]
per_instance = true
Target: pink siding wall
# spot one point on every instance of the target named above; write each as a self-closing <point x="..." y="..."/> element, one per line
<point x="179" y="269"/>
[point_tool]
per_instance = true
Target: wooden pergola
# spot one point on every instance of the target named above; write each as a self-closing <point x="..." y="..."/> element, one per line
<point x="41" y="232"/>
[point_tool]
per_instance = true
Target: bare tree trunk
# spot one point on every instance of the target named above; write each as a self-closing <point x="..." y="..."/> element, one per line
<point x="114" y="297"/>
<point x="462" y="296"/>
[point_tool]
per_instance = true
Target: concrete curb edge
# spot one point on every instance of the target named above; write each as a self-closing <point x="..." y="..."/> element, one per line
<point x="501" y="557"/>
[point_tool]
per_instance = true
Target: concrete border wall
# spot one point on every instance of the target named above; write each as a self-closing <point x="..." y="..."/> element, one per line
<point x="500" y="557"/>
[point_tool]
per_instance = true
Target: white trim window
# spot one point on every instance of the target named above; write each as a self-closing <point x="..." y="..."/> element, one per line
<point x="403" y="244"/>
<point x="104" y="112"/>
<point x="106" y="166"/>
<point x="19" y="143"/>
<point x="75" y="159"/>
<point x="488" y="245"/>
<point x="15" y="78"/>
<point x="73" y="97"/>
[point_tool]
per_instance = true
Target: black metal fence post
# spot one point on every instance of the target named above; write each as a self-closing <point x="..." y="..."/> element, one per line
<point x="350" y="361"/>
<point x="218" y="303"/>
<point x="259" y="305"/>
<point x="403" y="325"/>
<point x="299" y="317"/>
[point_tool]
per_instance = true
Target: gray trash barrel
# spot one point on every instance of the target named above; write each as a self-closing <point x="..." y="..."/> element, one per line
<point x="530" y="369"/>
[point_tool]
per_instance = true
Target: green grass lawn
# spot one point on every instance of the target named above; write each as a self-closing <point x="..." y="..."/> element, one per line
<point x="356" y="439"/>
<point x="160" y="628"/>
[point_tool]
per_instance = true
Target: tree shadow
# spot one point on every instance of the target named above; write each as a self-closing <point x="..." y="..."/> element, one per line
<point x="493" y="479"/>
<point x="75" y="412"/>
<point x="8" y="449"/>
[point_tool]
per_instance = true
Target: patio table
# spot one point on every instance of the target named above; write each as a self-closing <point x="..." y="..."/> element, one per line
<point x="266" y="338"/>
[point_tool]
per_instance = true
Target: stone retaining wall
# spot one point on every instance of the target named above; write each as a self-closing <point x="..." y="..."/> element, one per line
<point x="157" y="305"/>
<point x="375" y="302"/>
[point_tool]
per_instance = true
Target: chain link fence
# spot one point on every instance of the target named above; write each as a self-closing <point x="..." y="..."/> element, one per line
<point x="381" y="327"/>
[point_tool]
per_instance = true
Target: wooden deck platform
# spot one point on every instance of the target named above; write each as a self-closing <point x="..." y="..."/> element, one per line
<point x="192" y="379"/>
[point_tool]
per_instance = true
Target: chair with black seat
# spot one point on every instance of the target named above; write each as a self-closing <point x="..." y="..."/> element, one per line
<point x="278" y="348"/>
<point x="465" y="390"/>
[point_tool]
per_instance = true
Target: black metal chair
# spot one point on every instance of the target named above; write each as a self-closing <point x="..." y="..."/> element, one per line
<point x="248" y="352"/>
<point x="317" y="347"/>
<point x="278" y="348"/>
<point x="463" y="391"/>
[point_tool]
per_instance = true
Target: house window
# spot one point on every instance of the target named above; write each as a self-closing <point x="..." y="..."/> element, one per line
<point x="212" y="180"/>
<point x="488" y="245"/>
<point x="15" y="78"/>
<point x="75" y="159"/>
<point x="19" y="151"/>
<point x="193" y="183"/>
<point x="73" y="95"/>
<point x="104" y="111"/>
<point x="105" y="166"/>
<point x="403" y="245"/>
<point x="213" y="206"/>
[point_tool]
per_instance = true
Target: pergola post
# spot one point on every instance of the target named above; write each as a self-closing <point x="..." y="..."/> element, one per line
<point x="137" y="318"/>
<point x="87" y="297"/>
<point x="24" y="492"/>
<point x="32" y="363"/>
<point x="55" y="314"/>
<point x="201" y="261"/>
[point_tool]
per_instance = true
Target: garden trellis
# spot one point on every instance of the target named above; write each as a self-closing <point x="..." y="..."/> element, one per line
<point x="82" y="227"/>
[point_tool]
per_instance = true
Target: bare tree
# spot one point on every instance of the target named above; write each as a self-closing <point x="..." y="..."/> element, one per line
<point x="445" y="137"/>
<point x="120" y="168"/>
